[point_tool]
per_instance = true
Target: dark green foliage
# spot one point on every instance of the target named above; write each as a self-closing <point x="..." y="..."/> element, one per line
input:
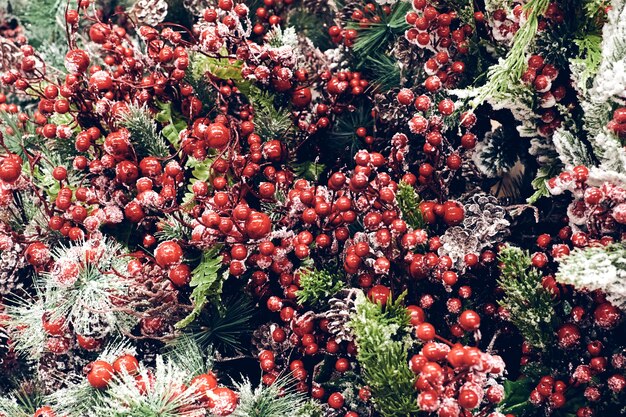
<point x="316" y="286"/>
<point x="408" y="202"/>
<point x="143" y="132"/>
<point x="223" y="328"/>
<point x="378" y="37"/>
<point x="530" y="305"/>
<point x="384" y="69"/>
<point x="383" y="345"/>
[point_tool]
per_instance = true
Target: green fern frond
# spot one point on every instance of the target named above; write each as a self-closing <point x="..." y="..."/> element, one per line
<point x="206" y="281"/>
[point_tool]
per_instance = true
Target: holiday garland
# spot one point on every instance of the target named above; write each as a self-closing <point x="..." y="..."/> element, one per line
<point x="312" y="208"/>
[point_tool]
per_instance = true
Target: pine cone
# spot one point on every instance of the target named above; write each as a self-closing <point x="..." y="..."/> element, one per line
<point x="149" y="12"/>
<point x="262" y="339"/>
<point x="338" y="315"/>
<point x="154" y="296"/>
<point x="54" y="371"/>
<point x="12" y="262"/>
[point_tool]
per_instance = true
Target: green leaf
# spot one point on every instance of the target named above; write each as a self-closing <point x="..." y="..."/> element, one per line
<point x="408" y="201"/>
<point x="206" y="282"/>
<point x="516" y="395"/>
<point x="173" y="123"/>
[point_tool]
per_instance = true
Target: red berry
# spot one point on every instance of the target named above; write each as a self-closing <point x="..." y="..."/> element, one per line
<point x="100" y="374"/>
<point x="126" y="363"/>
<point x="223" y="401"/>
<point x="469" y="320"/>
<point x="168" y="253"/>
<point x="336" y="400"/>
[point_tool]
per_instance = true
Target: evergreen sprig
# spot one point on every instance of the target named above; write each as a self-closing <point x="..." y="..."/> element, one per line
<point x="530" y="305"/>
<point x="509" y="70"/>
<point x="408" y="201"/>
<point x="277" y="400"/>
<point x="379" y="36"/>
<point x="143" y="132"/>
<point x="597" y="268"/>
<point x="223" y="328"/>
<point x="206" y="282"/>
<point x="381" y="334"/>
<point x="316" y="286"/>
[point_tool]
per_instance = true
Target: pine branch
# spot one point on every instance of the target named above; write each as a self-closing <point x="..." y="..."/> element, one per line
<point x="408" y="201"/>
<point x="597" y="268"/>
<point x="317" y="286"/>
<point x="379" y="36"/>
<point x="277" y="400"/>
<point x="223" y="328"/>
<point x="383" y="345"/>
<point x="530" y="305"/>
<point x="310" y="170"/>
<point x="509" y="71"/>
<point x="143" y="131"/>
<point x="173" y="229"/>
<point x="189" y="355"/>
<point x="206" y="282"/>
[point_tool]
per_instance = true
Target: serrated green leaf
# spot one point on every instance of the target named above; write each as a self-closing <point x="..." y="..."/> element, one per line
<point x="206" y="282"/>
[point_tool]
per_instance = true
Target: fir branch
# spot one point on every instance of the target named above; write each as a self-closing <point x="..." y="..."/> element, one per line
<point x="408" y="201"/>
<point x="317" y="286"/>
<point x="143" y="130"/>
<point x="597" y="268"/>
<point x="379" y="36"/>
<point x="277" y="400"/>
<point x="310" y="170"/>
<point x="225" y="327"/>
<point x="170" y="228"/>
<point x="187" y="353"/>
<point x="383" y="345"/>
<point x="572" y="151"/>
<point x="206" y="282"/>
<point x="529" y="304"/>
<point x="270" y="121"/>
<point x="509" y="70"/>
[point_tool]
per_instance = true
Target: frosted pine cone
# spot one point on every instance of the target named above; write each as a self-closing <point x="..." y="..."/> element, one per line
<point x="12" y="261"/>
<point x="149" y="12"/>
<point x="485" y="217"/>
<point x="338" y="315"/>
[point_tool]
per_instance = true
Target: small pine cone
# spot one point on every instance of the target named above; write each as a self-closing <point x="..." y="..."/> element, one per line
<point x="12" y="262"/>
<point x="262" y="339"/>
<point x="55" y="371"/>
<point x="338" y="315"/>
<point x="390" y="112"/>
<point x="196" y="7"/>
<point x="147" y="351"/>
<point x="154" y="296"/>
<point x="346" y="12"/>
<point x="150" y="12"/>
